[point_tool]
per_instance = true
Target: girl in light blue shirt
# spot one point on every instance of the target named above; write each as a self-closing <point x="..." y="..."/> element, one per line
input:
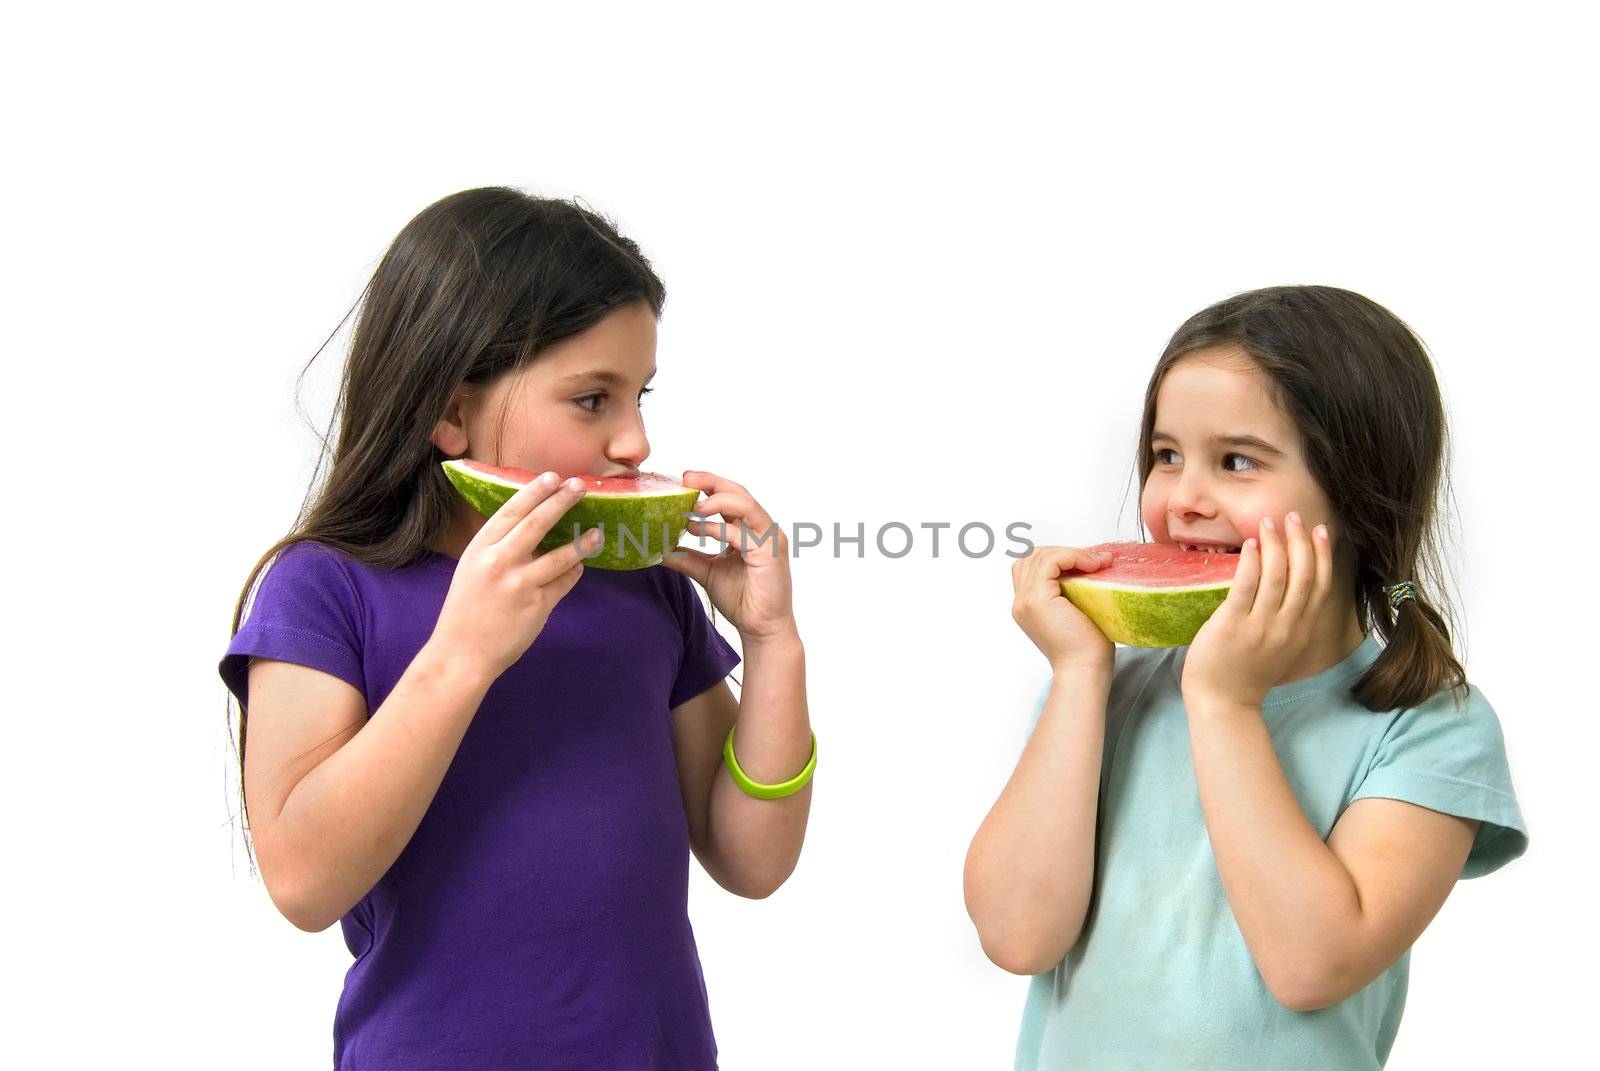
<point x="1220" y="855"/>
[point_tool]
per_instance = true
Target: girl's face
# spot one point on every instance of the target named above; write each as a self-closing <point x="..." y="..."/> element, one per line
<point x="574" y="410"/>
<point x="1224" y="457"/>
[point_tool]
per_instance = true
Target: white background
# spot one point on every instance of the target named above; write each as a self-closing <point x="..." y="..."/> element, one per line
<point x="920" y="260"/>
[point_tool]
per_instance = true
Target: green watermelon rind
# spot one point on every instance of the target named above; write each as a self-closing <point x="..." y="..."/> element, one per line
<point x="1145" y="616"/>
<point x="640" y="528"/>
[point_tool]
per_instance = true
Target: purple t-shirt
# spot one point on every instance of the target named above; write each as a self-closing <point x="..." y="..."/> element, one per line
<point x="539" y="915"/>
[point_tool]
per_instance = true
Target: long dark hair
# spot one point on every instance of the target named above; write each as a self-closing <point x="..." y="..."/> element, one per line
<point x="1358" y="384"/>
<point x="478" y="284"/>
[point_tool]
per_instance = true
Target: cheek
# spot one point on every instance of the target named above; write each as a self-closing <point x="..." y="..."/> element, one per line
<point x="1153" y="508"/>
<point x="1246" y="523"/>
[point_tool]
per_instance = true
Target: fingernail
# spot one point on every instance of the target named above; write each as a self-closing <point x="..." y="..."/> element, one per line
<point x="1250" y="544"/>
<point x="1266" y="522"/>
<point x="549" y="479"/>
<point x="1321" y="531"/>
<point x="575" y="484"/>
<point x="593" y="538"/>
<point x="1294" y="518"/>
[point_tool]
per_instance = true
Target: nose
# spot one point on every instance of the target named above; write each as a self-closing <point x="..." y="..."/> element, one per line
<point x="1191" y="495"/>
<point x="630" y="446"/>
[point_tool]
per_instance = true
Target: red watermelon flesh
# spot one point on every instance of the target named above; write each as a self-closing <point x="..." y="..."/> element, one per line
<point x="641" y="483"/>
<point x="1151" y="594"/>
<point x="1160" y="565"/>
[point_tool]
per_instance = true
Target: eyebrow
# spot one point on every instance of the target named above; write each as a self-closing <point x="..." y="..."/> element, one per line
<point x="1243" y="442"/>
<point x="602" y="375"/>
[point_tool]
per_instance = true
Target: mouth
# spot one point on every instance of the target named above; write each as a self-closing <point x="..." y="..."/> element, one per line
<point x="1209" y="548"/>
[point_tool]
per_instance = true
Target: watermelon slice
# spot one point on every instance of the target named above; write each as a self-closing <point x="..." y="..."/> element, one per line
<point x="641" y="517"/>
<point x="1151" y="594"/>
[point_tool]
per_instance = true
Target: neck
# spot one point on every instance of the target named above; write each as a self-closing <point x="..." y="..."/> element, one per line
<point x="458" y="533"/>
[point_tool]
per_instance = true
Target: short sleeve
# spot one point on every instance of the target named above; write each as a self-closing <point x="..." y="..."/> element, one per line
<point x="707" y="657"/>
<point x="305" y="611"/>
<point x="1452" y="759"/>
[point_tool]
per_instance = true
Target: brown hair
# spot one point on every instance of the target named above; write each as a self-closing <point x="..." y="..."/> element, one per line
<point x="1358" y="384"/>
<point x="477" y="284"/>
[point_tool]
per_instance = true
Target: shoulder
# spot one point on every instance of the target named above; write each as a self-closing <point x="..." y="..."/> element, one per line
<point x="1464" y="718"/>
<point x="310" y="564"/>
<point x="306" y="569"/>
<point x="309" y="560"/>
<point x="305" y="609"/>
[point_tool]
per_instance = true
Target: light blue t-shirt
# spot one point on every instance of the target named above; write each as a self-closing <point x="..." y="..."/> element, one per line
<point x="1161" y="976"/>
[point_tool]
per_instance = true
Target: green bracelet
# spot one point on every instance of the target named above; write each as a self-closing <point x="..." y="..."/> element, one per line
<point x="768" y="792"/>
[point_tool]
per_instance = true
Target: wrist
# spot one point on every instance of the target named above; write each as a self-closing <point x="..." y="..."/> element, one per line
<point x="1096" y="670"/>
<point x="452" y="668"/>
<point x="783" y="638"/>
<point x="1218" y="706"/>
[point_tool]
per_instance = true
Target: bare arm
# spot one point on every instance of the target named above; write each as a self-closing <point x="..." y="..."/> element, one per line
<point x="334" y="797"/>
<point x="1030" y="870"/>
<point x="749" y="846"/>
<point x="1321" y="920"/>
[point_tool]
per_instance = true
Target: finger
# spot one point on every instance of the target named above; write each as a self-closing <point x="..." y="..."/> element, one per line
<point x="1246" y="578"/>
<point x="1038" y="567"/>
<point x="516" y="507"/>
<point x="734" y="506"/>
<point x="1274" y="567"/>
<point x="1302" y="569"/>
<point x="1322" y="587"/>
<point x="1053" y="562"/>
<point x="553" y="563"/>
<point x="710" y="482"/>
<point x="691" y="563"/>
<point x="734" y="537"/>
<point x="530" y="530"/>
<point x="561" y="585"/>
<point x="717" y="527"/>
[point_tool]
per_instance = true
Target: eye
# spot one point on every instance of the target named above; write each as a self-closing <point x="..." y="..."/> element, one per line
<point x="1246" y="464"/>
<point x="1166" y="456"/>
<point x="583" y="402"/>
<point x="643" y="392"/>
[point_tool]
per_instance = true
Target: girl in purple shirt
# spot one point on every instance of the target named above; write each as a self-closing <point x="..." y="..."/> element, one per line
<point x="487" y="764"/>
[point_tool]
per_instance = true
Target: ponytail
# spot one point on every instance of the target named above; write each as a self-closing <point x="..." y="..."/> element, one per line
<point x="1418" y="659"/>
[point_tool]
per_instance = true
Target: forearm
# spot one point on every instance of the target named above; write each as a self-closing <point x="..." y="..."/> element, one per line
<point x="346" y="821"/>
<point x="1296" y="904"/>
<point x="757" y="842"/>
<point x="1030" y="870"/>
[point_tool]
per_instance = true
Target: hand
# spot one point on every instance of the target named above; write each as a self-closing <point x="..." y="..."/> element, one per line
<point x="1059" y="629"/>
<point x="504" y="588"/>
<point x="749" y="581"/>
<point x="1266" y="621"/>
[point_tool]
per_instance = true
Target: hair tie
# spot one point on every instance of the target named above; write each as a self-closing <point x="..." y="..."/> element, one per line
<point x="1399" y="593"/>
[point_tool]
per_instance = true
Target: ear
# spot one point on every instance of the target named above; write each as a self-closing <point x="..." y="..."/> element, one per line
<point x="450" y="433"/>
